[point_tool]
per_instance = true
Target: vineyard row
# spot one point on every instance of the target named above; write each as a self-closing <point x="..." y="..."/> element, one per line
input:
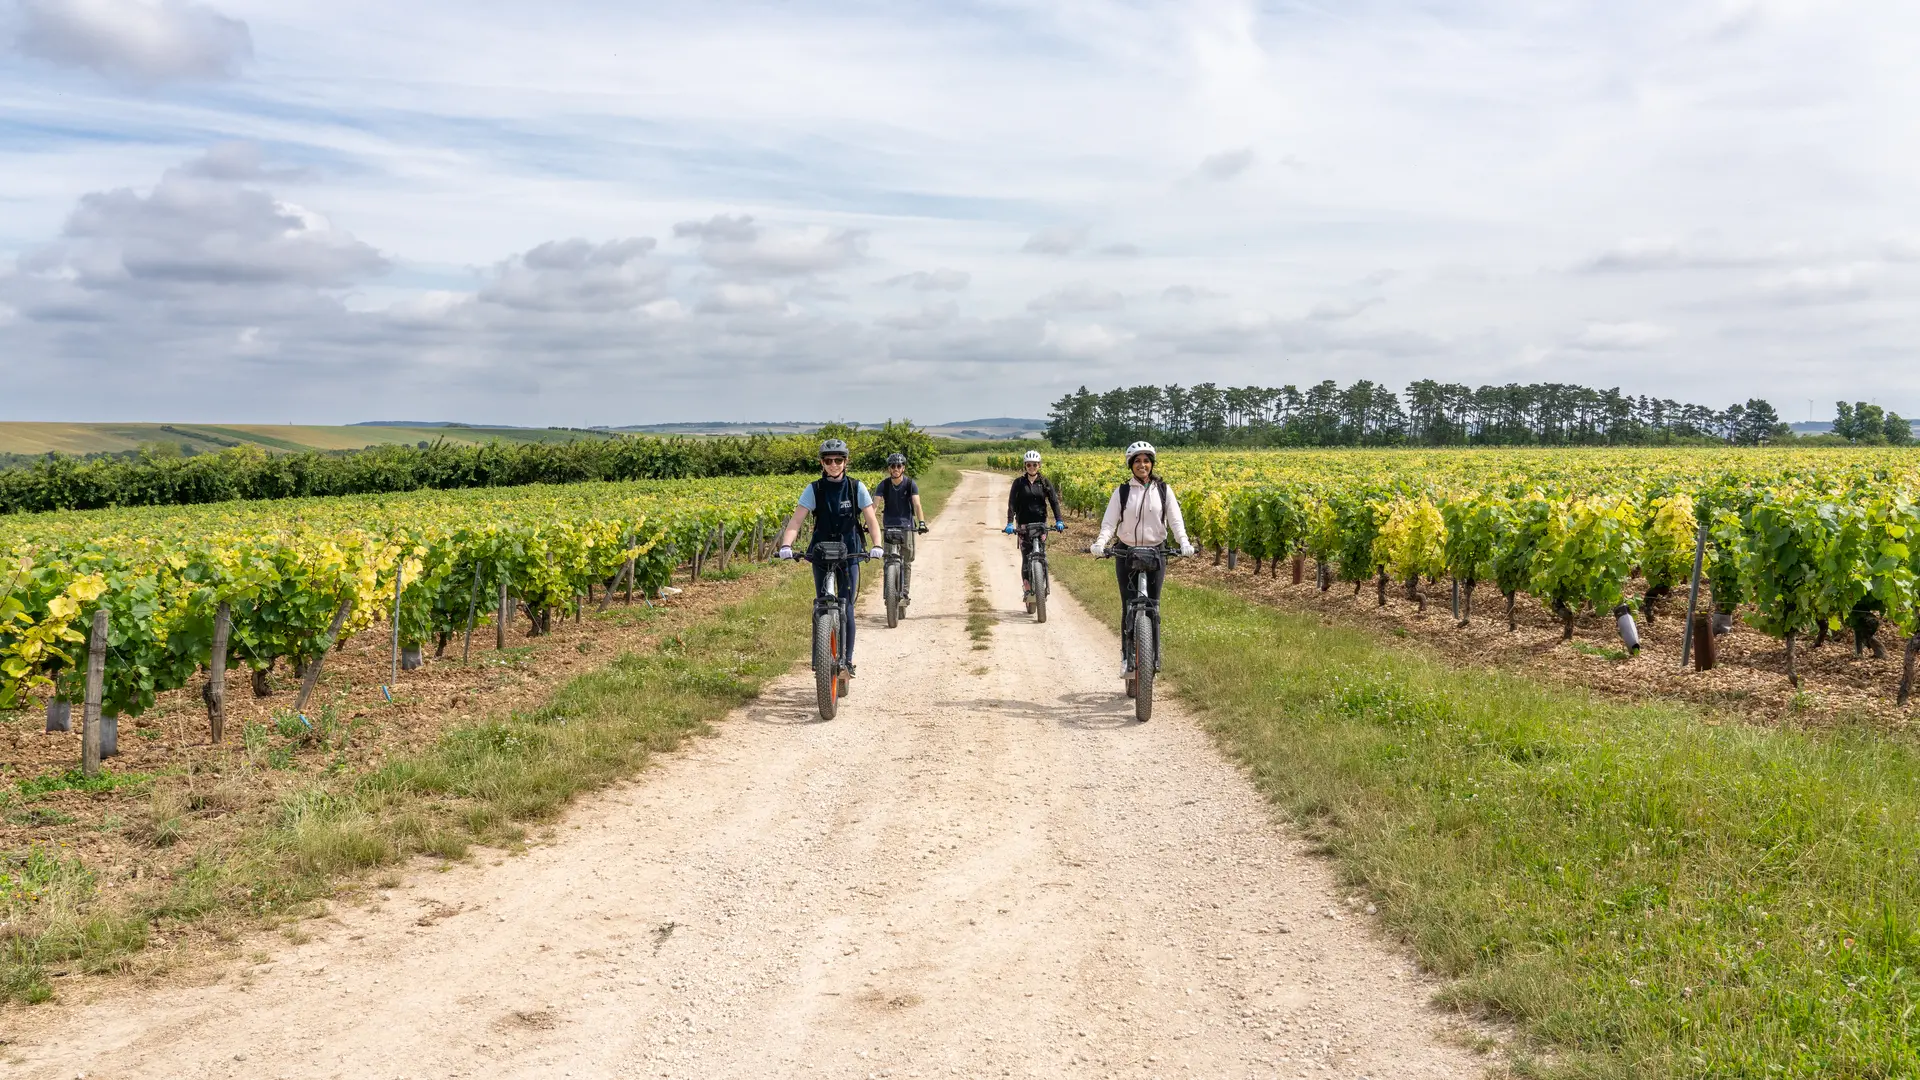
<point x="186" y="590"/>
<point x="1807" y="542"/>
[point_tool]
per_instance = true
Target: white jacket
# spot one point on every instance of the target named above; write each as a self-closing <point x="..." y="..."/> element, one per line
<point x="1141" y="525"/>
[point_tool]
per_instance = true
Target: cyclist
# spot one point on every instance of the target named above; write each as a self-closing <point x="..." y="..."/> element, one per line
<point x="1142" y="512"/>
<point x="842" y="511"/>
<point x="1027" y="504"/>
<point x="900" y="509"/>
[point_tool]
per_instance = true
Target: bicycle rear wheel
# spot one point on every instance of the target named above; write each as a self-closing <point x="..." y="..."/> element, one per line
<point x="893" y="594"/>
<point x="1143" y="653"/>
<point x="826" y="653"/>
<point x="1039" y="574"/>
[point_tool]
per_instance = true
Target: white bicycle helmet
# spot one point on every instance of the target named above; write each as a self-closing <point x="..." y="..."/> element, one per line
<point x="1032" y="458"/>
<point x="1141" y="447"/>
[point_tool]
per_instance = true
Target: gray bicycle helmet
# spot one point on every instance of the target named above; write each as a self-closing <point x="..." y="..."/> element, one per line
<point x="833" y="446"/>
<point x="896" y="459"/>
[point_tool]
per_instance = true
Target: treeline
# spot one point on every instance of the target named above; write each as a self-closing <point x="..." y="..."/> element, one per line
<point x="1429" y="413"/>
<point x="58" y="482"/>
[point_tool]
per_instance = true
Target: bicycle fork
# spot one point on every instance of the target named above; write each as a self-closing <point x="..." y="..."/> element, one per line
<point x="1142" y="601"/>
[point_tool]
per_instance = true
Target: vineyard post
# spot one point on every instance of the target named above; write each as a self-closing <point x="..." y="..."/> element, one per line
<point x="96" y="683"/>
<point x="217" y="672"/>
<point x="500" y="620"/>
<point x="399" y="572"/>
<point x="1456" y="599"/>
<point x="724" y="550"/>
<point x="473" y="611"/>
<point x="312" y="677"/>
<point x="1906" y="671"/>
<point x="1693" y="596"/>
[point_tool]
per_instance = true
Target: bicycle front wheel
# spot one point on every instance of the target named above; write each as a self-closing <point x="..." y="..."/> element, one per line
<point x="1143" y="654"/>
<point x="1039" y="574"/>
<point x="826" y="663"/>
<point x="893" y="594"/>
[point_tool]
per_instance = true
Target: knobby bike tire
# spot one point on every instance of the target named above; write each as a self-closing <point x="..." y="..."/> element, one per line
<point x="1039" y="591"/>
<point x="826" y="681"/>
<point x="893" y="595"/>
<point x="1143" y="650"/>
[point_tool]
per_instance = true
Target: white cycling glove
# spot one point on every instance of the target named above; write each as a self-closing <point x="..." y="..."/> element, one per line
<point x="786" y="551"/>
<point x="1186" y="551"/>
<point x="1097" y="550"/>
<point x="877" y="553"/>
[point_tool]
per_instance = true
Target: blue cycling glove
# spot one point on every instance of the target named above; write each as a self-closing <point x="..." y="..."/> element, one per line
<point x="1008" y="530"/>
<point x="1060" y="526"/>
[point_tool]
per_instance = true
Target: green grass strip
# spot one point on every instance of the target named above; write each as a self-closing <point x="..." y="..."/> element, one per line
<point x="1644" y="893"/>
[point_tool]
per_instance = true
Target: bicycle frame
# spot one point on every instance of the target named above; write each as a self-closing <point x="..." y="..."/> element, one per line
<point x="835" y="558"/>
<point x="1142" y="561"/>
<point x="1037" y="533"/>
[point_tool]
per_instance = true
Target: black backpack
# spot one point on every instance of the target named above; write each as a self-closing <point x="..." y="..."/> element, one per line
<point x="1126" y="491"/>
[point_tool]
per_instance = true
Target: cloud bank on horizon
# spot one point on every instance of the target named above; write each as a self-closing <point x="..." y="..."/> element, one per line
<point x="615" y="213"/>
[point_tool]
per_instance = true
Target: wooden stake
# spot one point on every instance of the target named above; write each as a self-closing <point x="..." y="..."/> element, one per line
<point x="399" y="572"/>
<point x="96" y="686"/>
<point x="1693" y="595"/>
<point x="312" y="678"/>
<point x="216" y="694"/>
<point x="500" y="618"/>
<point x="473" y="612"/>
<point x="1906" y="673"/>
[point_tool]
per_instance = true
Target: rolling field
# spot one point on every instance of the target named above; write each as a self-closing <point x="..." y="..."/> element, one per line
<point x="36" y="437"/>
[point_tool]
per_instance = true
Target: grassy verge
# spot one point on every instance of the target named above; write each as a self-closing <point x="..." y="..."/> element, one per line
<point x="980" y="618"/>
<point x="1643" y="893"/>
<point x="480" y="783"/>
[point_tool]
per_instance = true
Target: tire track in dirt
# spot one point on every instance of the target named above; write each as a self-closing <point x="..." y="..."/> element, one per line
<point x="982" y="868"/>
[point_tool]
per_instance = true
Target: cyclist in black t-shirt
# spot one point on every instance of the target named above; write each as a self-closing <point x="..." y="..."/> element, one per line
<point x="1029" y="500"/>
<point x="900" y="509"/>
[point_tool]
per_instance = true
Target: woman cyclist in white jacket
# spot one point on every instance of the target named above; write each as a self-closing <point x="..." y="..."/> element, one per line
<point x="1143" y="512"/>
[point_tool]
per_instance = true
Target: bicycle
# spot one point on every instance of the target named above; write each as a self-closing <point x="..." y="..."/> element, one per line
<point x="1036" y="567"/>
<point x="1140" y="624"/>
<point x="829" y="623"/>
<point x="897" y="576"/>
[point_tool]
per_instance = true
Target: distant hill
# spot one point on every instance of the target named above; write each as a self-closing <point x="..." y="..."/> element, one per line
<point x="39" y="437"/>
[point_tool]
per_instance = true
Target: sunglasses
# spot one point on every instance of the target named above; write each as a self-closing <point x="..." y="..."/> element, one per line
<point x="833" y="461"/>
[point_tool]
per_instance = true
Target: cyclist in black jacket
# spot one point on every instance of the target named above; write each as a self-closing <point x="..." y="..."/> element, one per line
<point x="899" y="498"/>
<point x="1027" y="504"/>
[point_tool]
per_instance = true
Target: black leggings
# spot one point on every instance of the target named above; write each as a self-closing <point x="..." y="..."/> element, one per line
<point x="848" y="584"/>
<point x="1123" y="569"/>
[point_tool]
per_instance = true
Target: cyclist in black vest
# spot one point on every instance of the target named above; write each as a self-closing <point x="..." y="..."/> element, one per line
<point x="842" y="511"/>
<point x="1027" y="504"/>
<point x="900" y="509"/>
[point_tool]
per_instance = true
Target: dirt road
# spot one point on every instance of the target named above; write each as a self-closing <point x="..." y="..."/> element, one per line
<point x="982" y="868"/>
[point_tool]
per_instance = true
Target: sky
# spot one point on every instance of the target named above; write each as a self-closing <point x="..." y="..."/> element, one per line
<point x="624" y="213"/>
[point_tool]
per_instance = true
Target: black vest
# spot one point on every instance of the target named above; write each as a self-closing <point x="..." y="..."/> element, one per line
<point x="835" y="513"/>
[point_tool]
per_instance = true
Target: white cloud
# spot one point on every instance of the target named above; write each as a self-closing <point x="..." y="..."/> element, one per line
<point x="1056" y="240"/>
<point x="1227" y="164"/>
<point x="1188" y="294"/>
<point x="1083" y="341"/>
<point x="931" y="317"/>
<point x="1618" y="336"/>
<point x="135" y="40"/>
<point x="942" y="280"/>
<point x="732" y="298"/>
<point x="1334" y="311"/>
<point x="1078" y="296"/>
<point x="1819" y="285"/>
<point x="577" y="275"/>
<point x="194" y="229"/>
<point x="745" y="248"/>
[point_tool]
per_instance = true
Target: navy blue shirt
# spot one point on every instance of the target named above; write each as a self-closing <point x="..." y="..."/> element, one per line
<point x="896" y="502"/>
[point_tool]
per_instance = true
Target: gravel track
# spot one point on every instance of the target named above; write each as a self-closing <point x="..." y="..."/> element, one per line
<point x="982" y="868"/>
